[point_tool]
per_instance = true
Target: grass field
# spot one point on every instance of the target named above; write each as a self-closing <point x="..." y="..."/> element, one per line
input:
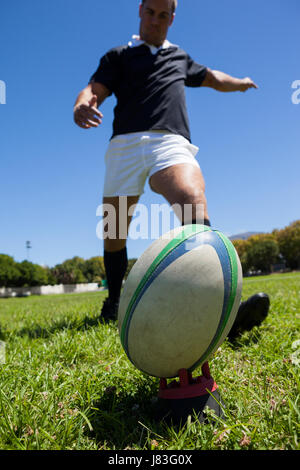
<point x="67" y="384"/>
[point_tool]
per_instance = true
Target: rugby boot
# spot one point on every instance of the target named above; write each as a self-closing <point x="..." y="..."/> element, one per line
<point x="109" y="310"/>
<point x="251" y="313"/>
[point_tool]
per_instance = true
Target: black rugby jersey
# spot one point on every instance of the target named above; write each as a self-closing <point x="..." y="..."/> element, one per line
<point x="149" y="87"/>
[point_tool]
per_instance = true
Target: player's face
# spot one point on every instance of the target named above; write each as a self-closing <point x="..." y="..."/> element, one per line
<point x="156" y="18"/>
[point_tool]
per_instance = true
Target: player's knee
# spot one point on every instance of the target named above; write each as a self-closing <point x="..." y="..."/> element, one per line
<point x="193" y="206"/>
<point x="193" y="196"/>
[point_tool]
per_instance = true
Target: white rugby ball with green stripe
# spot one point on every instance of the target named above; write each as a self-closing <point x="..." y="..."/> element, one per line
<point x="180" y="300"/>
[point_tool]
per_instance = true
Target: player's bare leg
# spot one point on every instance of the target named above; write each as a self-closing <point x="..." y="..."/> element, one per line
<point x="183" y="184"/>
<point x="113" y="244"/>
<point x="115" y="251"/>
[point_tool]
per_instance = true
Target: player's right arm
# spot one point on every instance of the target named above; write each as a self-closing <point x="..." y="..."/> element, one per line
<point x="221" y="81"/>
<point x="86" y="113"/>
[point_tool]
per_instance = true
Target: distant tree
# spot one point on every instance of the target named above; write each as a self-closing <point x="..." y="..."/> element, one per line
<point x="242" y="246"/>
<point x="9" y="271"/>
<point x="93" y="269"/>
<point x="31" y="275"/>
<point x="262" y="252"/>
<point x="289" y="244"/>
<point x="51" y="278"/>
<point x="70" y="271"/>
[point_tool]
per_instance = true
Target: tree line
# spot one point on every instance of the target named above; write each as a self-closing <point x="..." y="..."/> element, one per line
<point x="261" y="252"/>
<point x="72" y="271"/>
<point x="258" y="253"/>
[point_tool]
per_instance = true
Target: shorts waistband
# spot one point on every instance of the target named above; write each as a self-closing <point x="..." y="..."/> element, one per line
<point x="142" y="133"/>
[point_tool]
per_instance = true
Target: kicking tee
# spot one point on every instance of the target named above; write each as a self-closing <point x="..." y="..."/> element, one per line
<point x="149" y="85"/>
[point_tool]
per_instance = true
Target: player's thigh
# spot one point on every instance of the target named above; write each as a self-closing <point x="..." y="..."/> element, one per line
<point x="180" y="183"/>
<point x="183" y="185"/>
<point x="117" y="218"/>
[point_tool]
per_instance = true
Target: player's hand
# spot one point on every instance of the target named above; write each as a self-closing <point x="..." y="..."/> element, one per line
<point x="246" y="83"/>
<point x="87" y="115"/>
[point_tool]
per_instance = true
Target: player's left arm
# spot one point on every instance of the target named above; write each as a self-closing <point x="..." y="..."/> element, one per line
<point x="222" y="82"/>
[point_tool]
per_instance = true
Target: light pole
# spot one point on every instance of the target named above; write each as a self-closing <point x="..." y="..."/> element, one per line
<point x="28" y="247"/>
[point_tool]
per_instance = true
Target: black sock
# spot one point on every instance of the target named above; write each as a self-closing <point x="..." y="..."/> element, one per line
<point x="205" y="222"/>
<point x="115" y="263"/>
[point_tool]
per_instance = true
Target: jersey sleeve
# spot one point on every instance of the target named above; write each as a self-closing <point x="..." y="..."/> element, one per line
<point x="107" y="72"/>
<point x="195" y="73"/>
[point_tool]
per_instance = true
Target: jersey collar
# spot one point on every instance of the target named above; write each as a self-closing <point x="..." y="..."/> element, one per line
<point x="136" y="41"/>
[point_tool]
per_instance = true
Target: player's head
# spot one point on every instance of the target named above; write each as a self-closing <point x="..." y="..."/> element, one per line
<point x="173" y="3"/>
<point x="156" y="18"/>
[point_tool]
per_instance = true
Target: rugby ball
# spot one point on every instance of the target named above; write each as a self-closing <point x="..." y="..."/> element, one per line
<point x="180" y="300"/>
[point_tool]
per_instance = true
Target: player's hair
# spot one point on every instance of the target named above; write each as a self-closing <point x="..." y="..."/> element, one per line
<point x="174" y="4"/>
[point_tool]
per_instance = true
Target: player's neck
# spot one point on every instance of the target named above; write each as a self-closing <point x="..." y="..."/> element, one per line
<point x="152" y="44"/>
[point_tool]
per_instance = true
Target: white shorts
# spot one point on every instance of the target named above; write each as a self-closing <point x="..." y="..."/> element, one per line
<point x="132" y="158"/>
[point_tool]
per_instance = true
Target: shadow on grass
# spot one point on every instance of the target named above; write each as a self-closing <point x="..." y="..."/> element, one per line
<point x="116" y="418"/>
<point x="37" y="331"/>
<point x="128" y="420"/>
<point x="247" y="339"/>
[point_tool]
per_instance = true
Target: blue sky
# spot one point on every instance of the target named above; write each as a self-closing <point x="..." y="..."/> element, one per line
<point x="52" y="172"/>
